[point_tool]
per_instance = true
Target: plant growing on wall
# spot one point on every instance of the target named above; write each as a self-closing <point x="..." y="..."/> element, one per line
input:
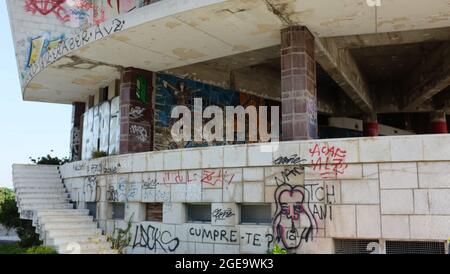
<point x="121" y="238"/>
<point x="277" y="250"/>
<point x="99" y="154"/>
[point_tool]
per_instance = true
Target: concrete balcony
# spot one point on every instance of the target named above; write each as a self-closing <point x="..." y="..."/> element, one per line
<point x="172" y="33"/>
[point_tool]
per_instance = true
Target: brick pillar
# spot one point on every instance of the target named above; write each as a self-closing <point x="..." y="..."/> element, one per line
<point x="370" y="126"/>
<point x="136" y="111"/>
<point x="438" y="122"/>
<point x="298" y="84"/>
<point x="78" y="108"/>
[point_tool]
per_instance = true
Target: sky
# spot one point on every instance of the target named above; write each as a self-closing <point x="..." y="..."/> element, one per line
<point x="27" y="129"/>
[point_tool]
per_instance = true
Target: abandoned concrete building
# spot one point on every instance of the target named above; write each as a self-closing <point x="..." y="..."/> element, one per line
<point x="363" y="161"/>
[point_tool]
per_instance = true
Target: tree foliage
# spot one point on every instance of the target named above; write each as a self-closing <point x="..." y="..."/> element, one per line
<point x="10" y="219"/>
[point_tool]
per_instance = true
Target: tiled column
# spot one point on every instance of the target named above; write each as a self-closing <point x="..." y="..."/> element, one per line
<point x="298" y="84"/>
<point x="136" y="111"/>
<point x="438" y="122"/>
<point x="78" y="109"/>
<point x="370" y="126"/>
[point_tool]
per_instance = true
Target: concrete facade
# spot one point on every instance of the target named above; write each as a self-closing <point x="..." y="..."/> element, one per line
<point x="337" y="69"/>
<point x="362" y="188"/>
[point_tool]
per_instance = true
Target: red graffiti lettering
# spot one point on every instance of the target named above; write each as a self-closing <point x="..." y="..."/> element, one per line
<point x="45" y="7"/>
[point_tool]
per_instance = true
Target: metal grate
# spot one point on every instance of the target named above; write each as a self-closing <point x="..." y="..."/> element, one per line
<point x="356" y="246"/>
<point x="403" y="247"/>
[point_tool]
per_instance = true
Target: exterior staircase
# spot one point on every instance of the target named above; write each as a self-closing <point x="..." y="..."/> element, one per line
<point x="42" y="198"/>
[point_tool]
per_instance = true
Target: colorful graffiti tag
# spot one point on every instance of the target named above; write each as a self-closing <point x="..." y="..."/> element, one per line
<point x="39" y="46"/>
<point x="46" y="7"/>
<point x="173" y="91"/>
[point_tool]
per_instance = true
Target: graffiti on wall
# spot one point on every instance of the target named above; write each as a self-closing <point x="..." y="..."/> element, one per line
<point x="101" y="129"/>
<point x="79" y="12"/>
<point x="330" y="161"/>
<point x="300" y="207"/>
<point x="221" y="214"/>
<point x="46" y="7"/>
<point x="153" y="238"/>
<point x="172" y="91"/>
<point x="39" y="46"/>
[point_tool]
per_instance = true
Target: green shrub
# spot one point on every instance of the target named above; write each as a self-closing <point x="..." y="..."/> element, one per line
<point x="40" y="250"/>
<point x="49" y="160"/>
<point x="99" y="154"/>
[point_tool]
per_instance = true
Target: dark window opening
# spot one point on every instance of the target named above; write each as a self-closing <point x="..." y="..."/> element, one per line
<point x="118" y="211"/>
<point x="92" y="207"/>
<point x="256" y="214"/>
<point x="199" y="213"/>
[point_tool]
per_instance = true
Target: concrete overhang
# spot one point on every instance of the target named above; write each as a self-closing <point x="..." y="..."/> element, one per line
<point x="173" y="33"/>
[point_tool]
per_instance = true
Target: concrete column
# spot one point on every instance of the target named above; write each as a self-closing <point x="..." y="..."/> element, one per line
<point x="298" y="84"/>
<point x="136" y="111"/>
<point x="370" y="126"/>
<point x="438" y="122"/>
<point x="78" y="109"/>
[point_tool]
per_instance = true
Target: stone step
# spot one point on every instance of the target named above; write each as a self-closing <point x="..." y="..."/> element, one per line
<point x="69" y="226"/>
<point x="43" y="195"/>
<point x="45" y="206"/>
<point x="37" y="174"/>
<point x="83" y="246"/>
<point x="39" y="190"/>
<point x="63" y="212"/>
<point x="49" y="200"/>
<point x="34" y="167"/>
<point x="35" y="187"/>
<point x="54" y="233"/>
<point x="45" y="182"/>
<point x="60" y="240"/>
<point x="65" y="219"/>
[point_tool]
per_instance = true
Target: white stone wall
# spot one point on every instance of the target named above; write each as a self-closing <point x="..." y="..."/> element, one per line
<point x="387" y="188"/>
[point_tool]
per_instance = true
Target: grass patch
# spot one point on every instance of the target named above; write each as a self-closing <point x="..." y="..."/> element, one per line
<point x="14" y="248"/>
<point x="11" y="248"/>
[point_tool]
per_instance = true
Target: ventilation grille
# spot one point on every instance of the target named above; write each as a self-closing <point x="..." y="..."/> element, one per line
<point x="402" y="247"/>
<point x="356" y="246"/>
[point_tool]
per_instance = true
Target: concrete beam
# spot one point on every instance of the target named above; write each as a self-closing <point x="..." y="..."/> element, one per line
<point x="430" y="77"/>
<point x="392" y="38"/>
<point x="342" y="67"/>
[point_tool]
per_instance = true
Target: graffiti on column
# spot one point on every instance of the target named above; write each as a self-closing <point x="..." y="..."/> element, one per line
<point x="75" y="144"/>
<point x="140" y="133"/>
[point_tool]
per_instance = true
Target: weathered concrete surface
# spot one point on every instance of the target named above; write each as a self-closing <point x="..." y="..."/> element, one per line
<point x="430" y="77"/>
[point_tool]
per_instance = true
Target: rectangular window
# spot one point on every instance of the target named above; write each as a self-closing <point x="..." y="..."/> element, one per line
<point x="256" y="214"/>
<point x="356" y="246"/>
<point x="405" y="247"/>
<point x="199" y="213"/>
<point x="154" y="212"/>
<point x="118" y="211"/>
<point x="92" y="207"/>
